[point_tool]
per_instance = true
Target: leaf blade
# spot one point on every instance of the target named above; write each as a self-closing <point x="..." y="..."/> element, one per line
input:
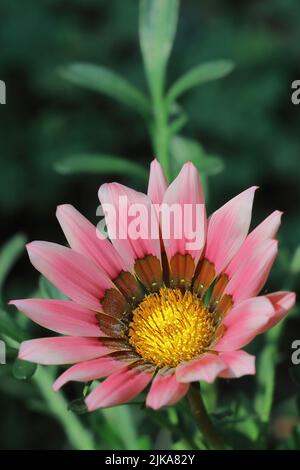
<point x="9" y="254"/>
<point x="100" y="164"/>
<point x="184" y="149"/>
<point x="198" y="75"/>
<point x="108" y="82"/>
<point x="157" y="29"/>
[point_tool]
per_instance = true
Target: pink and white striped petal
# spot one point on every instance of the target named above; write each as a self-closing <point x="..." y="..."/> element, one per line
<point x="62" y="316"/>
<point x="84" y="238"/>
<point x="131" y="221"/>
<point x="206" y="368"/>
<point x="244" y="322"/>
<point x="239" y="363"/>
<point x="228" y="228"/>
<point x="157" y="184"/>
<point x="264" y="231"/>
<point x="282" y="302"/>
<point x="118" y="389"/>
<point x="183" y="216"/>
<point x="165" y="391"/>
<point x="61" y="350"/>
<point x="89" y="370"/>
<point x="72" y="273"/>
<point x="252" y="275"/>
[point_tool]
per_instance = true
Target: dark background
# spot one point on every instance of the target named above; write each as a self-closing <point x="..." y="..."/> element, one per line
<point x="247" y="118"/>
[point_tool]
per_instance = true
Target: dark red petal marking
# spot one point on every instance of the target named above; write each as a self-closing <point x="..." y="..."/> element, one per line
<point x="182" y="268"/>
<point x="149" y="272"/>
<point x="129" y="287"/>
<point x="116" y="344"/>
<point x="221" y="307"/>
<point x="204" y="278"/>
<point x="219" y="287"/>
<point x="114" y="303"/>
<point x="111" y="326"/>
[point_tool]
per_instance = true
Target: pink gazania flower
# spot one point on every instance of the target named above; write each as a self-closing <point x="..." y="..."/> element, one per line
<point x="154" y="312"/>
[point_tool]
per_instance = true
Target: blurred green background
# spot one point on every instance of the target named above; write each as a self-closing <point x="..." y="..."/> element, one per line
<point x="246" y="118"/>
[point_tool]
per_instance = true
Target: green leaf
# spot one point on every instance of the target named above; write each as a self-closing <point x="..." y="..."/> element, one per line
<point x="99" y="78"/>
<point x="101" y="164"/>
<point x="48" y="290"/>
<point x="23" y="370"/>
<point x="8" y="256"/>
<point x="9" y="328"/>
<point x="265" y="374"/>
<point x="157" y="28"/>
<point x="183" y="149"/>
<point x="266" y="380"/>
<point x="295" y="265"/>
<point x="198" y="75"/>
<point x="120" y="418"/>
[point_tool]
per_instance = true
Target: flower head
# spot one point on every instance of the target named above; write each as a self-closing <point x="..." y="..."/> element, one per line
<point x="172" y="298"/>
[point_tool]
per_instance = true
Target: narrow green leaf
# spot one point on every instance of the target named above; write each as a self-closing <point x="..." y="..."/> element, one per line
<point x="183" y="149"/>
<point x="266" y="366"/>
<point x="101" y="164"/>
<point x="198" y="75"/>
<point x="121" y="418"/>
<point x="295" y="265"/>
<point x="266" y="379"/>
<point x="48" y="290"/>
<point x="23" y="370"/>
<point x="9" y="328"/>
<point x="157" y="28"/>
<point x="8" y="256"/>
<point x="78" y="435"/>
<point x="99" y="78"/>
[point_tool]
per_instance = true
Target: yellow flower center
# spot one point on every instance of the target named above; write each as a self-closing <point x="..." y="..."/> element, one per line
<point x="170" y="327"/>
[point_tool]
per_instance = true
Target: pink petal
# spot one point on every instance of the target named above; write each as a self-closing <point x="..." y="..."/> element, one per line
<point x="244" y="322"/>
<point x="185" y="234"/>
<point x="282" y="302"/>
<point x="206" y="368"/>
<point x="89" y="370"/>
<point x="238" y="363"/>
<point x="84" y="238"/>
<point x="252" y="275"/>
<point x="61" y="350"/>
<point x="267" y="229"/>
<point x="76" y="276"/>
<point x="61" y="316"/>
<point x="157" y="185"/>
<point x="165" y="390"/>
<point x="131" y="221"/>
<point x="227" y="229"/>
<point x="117" y="389"/>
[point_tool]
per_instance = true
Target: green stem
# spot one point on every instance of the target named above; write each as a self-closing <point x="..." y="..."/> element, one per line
<point x="79" y="438"/>
<point x="160" y="132"/>
<point x="206" y="427"/>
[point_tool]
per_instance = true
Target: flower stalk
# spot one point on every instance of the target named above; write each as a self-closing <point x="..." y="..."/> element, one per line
<point x="212" y="438"/>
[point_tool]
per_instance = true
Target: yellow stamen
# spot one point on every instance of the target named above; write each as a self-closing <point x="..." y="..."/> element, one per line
<point x="170" y="327"/>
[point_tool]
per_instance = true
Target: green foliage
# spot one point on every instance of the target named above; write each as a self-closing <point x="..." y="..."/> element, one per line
<point x="295" y="264"/>
<point x="247" y="119"/>
<point x="8" y="255"/>
<point x="101" y="164"/>
<point x="197" y="76"/>
<point x="183" y="149"/>
<point x="48" y="291"/>
<point x="105" y="81"/>
<point x="157" y="28"/>
<point x="23" y="370"/>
